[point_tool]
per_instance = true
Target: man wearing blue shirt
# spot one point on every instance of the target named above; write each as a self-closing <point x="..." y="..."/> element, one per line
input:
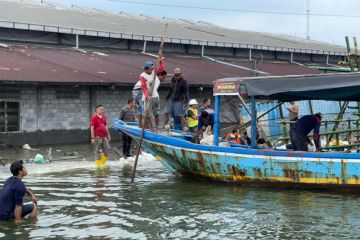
<point x="205" y="119"/>
<point x="300" y="130"/>
<point x="11" y="197"/>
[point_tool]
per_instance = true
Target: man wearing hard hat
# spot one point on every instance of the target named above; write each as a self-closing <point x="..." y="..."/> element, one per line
<point x="192" y="115"/>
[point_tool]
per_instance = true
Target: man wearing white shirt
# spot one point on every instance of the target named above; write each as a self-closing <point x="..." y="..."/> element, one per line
<point x="142" y="88"/>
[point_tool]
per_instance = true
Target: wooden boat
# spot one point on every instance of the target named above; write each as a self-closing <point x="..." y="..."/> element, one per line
<point x="258" y="166"/>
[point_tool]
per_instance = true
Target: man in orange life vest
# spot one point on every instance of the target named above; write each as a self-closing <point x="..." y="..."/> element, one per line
<point x="233" y="136"/>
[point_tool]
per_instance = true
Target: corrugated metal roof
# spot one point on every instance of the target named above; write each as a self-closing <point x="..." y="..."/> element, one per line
<point x="65" y="65"/>
<point x="77" y="20"/>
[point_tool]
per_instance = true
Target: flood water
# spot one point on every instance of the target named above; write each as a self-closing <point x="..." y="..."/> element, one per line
<point x="77" y="201"/>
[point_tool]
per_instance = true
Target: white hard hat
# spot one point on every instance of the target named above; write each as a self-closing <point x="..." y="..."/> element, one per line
<point x="193" y="102"/>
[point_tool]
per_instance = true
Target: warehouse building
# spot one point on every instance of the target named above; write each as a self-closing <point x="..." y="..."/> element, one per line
<point x="58" y="63"/>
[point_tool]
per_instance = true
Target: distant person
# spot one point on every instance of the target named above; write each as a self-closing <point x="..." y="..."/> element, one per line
<point x="244" y="138"/>
<point x="261" y="142"/>
<point x="12" y="196"/>
<point x="179" y="97"/>
<point x="234" y="136"/>
<point x="141" y="90"/>
<point x="127" y="114"/>
<point x="300" y="130"/>
<point x="293" y="111"/>
<point x="192" y="115"/>
<point x="207" y="104"/>
<point x="100" y="136"/>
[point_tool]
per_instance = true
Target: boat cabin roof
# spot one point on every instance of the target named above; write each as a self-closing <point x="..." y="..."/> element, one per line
<point x="337" y="86"/>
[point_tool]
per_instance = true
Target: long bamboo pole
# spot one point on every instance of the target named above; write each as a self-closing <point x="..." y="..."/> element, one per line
<point x="148" y="106"/>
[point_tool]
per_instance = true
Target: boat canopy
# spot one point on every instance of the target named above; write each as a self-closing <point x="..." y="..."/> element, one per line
<point x="340" y="86"/>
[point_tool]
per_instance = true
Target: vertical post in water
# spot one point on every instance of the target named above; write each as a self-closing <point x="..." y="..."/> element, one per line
<point x="253" y="122"/>
<point x="216" y="121"/>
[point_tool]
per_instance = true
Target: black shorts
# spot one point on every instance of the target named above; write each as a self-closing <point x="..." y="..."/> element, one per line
<point x="26" y="209"/>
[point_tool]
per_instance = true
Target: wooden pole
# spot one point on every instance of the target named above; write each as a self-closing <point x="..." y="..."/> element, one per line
<point x="311" y="107"/>
<point x="340" y="116"/>
<point x="148" y="106"/>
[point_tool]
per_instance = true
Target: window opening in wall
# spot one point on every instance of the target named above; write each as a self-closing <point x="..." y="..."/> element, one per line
<point x="9" y="116"/>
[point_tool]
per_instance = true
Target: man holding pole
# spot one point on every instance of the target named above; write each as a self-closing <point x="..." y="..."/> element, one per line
<point x="142" y="91"/>
<point x="145" y="86"/>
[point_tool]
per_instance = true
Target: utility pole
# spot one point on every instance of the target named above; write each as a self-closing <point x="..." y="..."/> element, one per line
<point x="308" y="19"/>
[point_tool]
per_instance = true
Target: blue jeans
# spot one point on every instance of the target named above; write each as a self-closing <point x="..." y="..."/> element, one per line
<point x="298" y="140"/>
<point x="26" y="210"/>
<point x="177" y="109"/>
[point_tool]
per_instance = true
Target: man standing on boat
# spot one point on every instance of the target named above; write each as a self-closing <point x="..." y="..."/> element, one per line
<point x="100" y="136"/>
<point x="293" y="116"/>
<point x="11" y="197"/>
<point x="141" y="90"/>
<point x="300" y="130"/>
<point x="207" y="104"/>
<point x="293" y="111"/>
<point x="192" y="115"/>
<point x="127" y="114"/>
<point x="179" y="97"/>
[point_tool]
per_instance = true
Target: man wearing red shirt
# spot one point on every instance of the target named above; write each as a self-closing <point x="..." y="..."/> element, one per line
<point x="100" y="136"/>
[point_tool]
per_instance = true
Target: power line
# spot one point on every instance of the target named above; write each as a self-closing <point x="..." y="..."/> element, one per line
<point x="233" y="10"/>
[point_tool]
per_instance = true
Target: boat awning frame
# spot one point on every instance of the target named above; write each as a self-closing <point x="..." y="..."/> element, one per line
<point x="335" y="87"/>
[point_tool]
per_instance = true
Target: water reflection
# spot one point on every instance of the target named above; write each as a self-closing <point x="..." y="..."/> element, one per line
<point x="102" y="203"/>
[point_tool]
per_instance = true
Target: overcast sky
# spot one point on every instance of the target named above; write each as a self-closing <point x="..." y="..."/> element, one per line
<point x="323" y="28"/>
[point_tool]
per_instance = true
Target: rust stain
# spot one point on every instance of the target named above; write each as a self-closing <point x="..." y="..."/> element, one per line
<point x="307" y="174"/>
<point x="183" y="153"/>
<point x="235" y="171"/>
<point x="257" y="172"/>
<point x="343" y="171"/>
<point x="293" y="174"/>
<point x="201" y="160"/>
<point x="288" y="165"/>
<point x="213" y="168"/>
<point x="191" y="163"/>
<point x="292" y="154"/>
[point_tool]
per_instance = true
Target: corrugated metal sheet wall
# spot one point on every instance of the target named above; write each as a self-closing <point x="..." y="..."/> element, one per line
<point x="329" y="110"/>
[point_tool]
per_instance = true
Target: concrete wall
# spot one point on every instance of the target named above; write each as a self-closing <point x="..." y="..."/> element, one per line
<point x="46" y="119"/>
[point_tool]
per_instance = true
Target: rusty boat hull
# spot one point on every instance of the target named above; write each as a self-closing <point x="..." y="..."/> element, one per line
<point x="243" y="165"/>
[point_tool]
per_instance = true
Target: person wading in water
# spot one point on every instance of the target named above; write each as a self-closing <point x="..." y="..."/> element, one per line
<point x="11" y="197"/>
<point x="100" y="136"/>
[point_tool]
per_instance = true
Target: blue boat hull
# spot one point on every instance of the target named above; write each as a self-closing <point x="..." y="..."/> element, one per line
<point x="243" y="165"/>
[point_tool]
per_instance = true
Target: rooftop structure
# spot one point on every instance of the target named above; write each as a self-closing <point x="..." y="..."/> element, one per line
<point x="22" y="63"/>
<point x="50" y="18"/>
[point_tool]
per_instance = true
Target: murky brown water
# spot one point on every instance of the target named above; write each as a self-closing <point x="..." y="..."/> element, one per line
<point x="79" y="202"/>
